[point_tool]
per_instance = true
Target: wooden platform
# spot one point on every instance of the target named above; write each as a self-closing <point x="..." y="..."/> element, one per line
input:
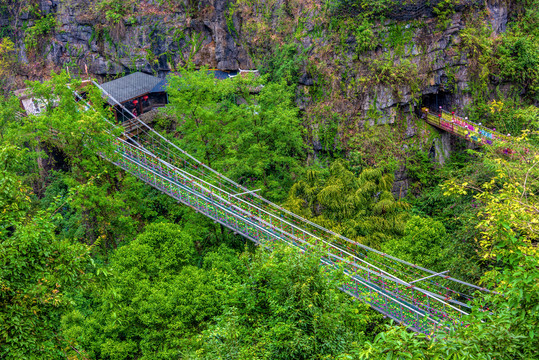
<point x="134" y="127"/>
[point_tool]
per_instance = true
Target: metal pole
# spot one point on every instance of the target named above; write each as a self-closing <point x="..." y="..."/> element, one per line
<point x="246" y="192"/>
<point x="428" y="277"/>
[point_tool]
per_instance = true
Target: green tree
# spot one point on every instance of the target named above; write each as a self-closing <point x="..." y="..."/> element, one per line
<point x="288" y="307"/>
<point x="266" y="144"/>
<point x="518" y="53"/>
<point x="507" y="330"/>
<point x="9" y="110"/>
<point x="85" y="142"/>
<point x="244" y="127"/>
<point x="200" y="104"/>
<point x="507" y="196"/>
<point x="154" y="301"/>
<point x="38" y="272"/>
<point x="78" y="131"/>
<point x="422" y="244"/>
<point x="507" y="220"/>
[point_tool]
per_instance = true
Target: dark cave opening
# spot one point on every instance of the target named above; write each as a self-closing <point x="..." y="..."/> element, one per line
<point x="434" y="101"/>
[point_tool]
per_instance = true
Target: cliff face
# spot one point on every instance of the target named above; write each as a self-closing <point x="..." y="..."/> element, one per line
<point x="357" y="69"/>
<point x="154" y="37"/>
<point x="351" y="70"/>
<point x="150" y="37"/>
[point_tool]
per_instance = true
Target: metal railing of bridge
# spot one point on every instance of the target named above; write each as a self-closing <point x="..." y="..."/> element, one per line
<point x="388" y="284"/>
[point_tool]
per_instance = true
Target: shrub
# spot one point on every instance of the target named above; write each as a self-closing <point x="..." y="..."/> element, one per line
<point x="42" y="27"/>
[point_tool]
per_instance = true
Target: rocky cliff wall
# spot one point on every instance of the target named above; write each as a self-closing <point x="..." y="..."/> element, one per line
<point x="352" y="70"/>
<point x="151" y="37"/>
<point x="357" y="70"/>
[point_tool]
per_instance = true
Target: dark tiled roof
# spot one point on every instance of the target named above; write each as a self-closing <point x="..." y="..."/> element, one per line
<point x="138" y="84"/>
<point x="222" y="75"/>
<point x="131" y="86"/>
<point x="161" y="86"/>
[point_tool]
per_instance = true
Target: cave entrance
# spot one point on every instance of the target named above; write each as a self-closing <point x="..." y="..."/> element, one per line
<point x="434" y="101"/>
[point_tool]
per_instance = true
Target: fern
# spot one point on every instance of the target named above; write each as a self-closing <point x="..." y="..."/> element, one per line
<point x="360" y="207"/>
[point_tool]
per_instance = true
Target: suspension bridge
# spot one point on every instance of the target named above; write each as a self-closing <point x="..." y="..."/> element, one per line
<point x="418" y="298"/>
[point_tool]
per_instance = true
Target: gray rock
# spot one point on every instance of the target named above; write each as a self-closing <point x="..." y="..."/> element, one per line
<point x="498" y="15"/>
<point x="306" y="80"/>
<point x="105" y="67"/>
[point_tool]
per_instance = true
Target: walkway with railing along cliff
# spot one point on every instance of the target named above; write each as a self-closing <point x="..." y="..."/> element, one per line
<point x="464" y="128"/>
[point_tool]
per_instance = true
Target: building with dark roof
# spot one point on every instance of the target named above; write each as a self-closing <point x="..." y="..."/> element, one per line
<point x="137" y="92"/>
<point x="140" y="93"/>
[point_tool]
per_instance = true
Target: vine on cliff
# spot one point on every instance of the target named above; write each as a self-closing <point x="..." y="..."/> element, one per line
<point x="42" y="27"/>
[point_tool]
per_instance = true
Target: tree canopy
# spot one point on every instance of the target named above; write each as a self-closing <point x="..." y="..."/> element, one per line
<point x="96" y="264"/>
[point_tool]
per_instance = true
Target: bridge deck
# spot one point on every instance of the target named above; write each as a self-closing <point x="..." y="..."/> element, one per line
<point x="386" y="283"/>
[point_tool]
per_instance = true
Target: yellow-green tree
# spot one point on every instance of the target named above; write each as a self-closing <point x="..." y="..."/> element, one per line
<point x="359" y="207"/>
<point x="7" y="56"/>
<point x="508" y="200"/>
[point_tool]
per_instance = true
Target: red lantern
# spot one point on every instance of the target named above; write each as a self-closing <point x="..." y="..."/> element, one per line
<point x="135" y="102"/>
<point x="145" y="97"/>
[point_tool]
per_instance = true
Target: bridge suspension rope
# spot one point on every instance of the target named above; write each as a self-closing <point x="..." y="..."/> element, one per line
<point x="419" y="298"/>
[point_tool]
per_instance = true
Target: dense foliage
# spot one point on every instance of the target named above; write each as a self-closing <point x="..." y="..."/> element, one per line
<point x="361" y="208"/>
<point x="95" y="264"/>
<point x="246" y="127"/>
<point x="38" y="272"/>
